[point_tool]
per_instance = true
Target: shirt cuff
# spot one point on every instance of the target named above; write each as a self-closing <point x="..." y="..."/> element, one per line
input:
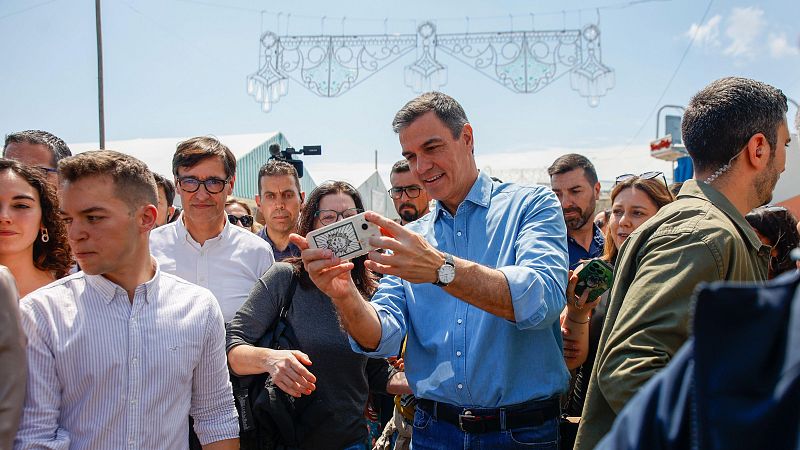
<point x="389" y="344"/>
<point x="527" y="295"/>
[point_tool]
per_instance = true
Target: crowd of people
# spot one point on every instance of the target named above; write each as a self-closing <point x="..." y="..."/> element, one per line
<point x="130" y="323"/>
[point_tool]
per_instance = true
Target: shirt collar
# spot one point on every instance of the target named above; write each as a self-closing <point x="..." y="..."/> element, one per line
<point x="183" y="233"/>
<point x="480" y="194"/>
<point x="108" y="289"/>
<point x="703" y="191"/>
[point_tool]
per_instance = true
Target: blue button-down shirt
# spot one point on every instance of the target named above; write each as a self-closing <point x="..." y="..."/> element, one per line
<point x="577" y="253"/>
<point x="458" y="353"/>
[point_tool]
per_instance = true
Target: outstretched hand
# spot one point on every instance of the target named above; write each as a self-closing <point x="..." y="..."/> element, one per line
<point x="328" y="272"/>
<point x="412" y="258"/>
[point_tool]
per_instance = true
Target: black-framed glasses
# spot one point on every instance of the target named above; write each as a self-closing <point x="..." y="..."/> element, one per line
<point x="246" y="220"/>
<point x="643" y="176"/>
<point x="192" y="184"/>
<point x="412" y="191"/>
<point x="329" y="216"/>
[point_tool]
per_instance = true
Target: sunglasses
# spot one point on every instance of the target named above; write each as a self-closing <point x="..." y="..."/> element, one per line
<point x="644" y="176"/>
<point x="246" y="220"/>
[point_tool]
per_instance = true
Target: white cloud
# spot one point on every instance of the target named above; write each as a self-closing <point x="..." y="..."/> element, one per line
<point x="743" y="29"/>
<point x="706" y="35"/>
<point x="780" y="47"/>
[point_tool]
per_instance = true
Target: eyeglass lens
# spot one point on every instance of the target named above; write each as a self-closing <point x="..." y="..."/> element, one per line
<point x="329" y="216"/>
<point x="212" y="185"/>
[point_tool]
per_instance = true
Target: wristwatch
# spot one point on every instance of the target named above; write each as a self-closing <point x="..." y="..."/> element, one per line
<point x="446" y="273"/>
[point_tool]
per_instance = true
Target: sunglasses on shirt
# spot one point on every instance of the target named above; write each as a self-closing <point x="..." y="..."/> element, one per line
<point x="246" y="220"/>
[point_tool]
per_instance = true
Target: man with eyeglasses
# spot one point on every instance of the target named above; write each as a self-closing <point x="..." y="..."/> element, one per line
<point x="280" y="200"/>
<point x="202" y="246"/>
<point x="38" y="149"/>
<point x="736" y="132"/>
<point x="574" y="180"/>
<point x="410" y="199"/>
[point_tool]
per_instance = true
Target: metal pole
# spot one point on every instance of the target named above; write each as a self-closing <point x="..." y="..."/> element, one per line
<point x="100" y="105"/>
<point x="376" y="160"/>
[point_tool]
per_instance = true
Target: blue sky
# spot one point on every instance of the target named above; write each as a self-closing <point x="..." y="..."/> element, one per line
<point x="179" y="68"/>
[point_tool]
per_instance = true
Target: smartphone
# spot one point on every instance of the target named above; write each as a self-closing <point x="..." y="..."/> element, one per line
<point x="347" y="239"/>
<point x="597" y="276"/>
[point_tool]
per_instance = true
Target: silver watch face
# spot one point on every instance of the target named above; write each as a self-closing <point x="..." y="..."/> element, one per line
<point x="446" y="274"/>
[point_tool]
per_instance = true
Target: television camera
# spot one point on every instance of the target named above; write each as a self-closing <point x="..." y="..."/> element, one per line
<point x="286" y="155"/>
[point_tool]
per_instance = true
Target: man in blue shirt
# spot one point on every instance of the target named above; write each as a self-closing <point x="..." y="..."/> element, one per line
<point x="574" y="181"/>
<point x="477" y="284"/>
<point x="279" y="199"/>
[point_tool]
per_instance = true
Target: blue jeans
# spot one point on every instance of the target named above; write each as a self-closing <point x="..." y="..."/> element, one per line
<point x="433" y="434"/>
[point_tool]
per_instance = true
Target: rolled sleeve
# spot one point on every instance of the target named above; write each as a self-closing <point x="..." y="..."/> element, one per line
<point x="538" y="279"/>
<point x="213" y="410"/>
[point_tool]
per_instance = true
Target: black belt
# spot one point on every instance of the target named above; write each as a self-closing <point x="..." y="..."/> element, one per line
<point x="486" y="420"/>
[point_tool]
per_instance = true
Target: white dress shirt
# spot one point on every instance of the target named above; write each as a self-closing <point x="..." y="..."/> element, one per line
<point x="108" y="373"/>
<point x="229" y="264"/>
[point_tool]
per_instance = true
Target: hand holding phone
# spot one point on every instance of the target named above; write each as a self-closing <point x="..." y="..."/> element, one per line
<point x="347" y="239"/>
<point x="597" y="276"/>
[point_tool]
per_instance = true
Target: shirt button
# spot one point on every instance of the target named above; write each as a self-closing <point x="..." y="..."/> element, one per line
<point x="460" y="386"/>
<point x="458" y="234"/>
<point x="458" y="353"/>
<point x="459" y="321"/>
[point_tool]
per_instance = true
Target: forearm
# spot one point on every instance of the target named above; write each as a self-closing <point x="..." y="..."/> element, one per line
<point x="359" y="319"/>
<point x="575" y="331"/>
<point x="227" y="444"/>
<point x="248" y="360"/>
<point x="482" y="287"/>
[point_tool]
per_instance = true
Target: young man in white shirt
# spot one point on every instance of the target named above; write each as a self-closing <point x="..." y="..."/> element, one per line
<point x="121" y="352"/>
<point x="202" y="246"/>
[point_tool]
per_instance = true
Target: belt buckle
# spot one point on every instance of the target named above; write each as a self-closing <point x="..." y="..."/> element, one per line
<point x="466" y="418"/>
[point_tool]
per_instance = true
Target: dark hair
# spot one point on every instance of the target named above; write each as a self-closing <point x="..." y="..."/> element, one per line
<point x="654" y="188"/>
<point x="53" y="255"/>
<point x="569" y="162"/>
<point x="191" y="151"/>
<point x="133" y="181"/>
<point x="445" y="107"/>
<point x="400" y="167"/>
<point x="675" y="188"/>
<point x="779" y="226"/>
<point x="166" y="184"/>
<point x="55" y="144"/>
<point x="363" y="278"/>
<point x="275" y="168"/>
<point x="723" y="116"/>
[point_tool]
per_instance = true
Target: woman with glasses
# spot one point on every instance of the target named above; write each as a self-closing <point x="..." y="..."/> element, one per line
<point x="776" y="227"/>
<point x="324" y="366"/>
<point x="634" y="199"/>
<point x="240" y="214"/>
<point x="33" y="240"/>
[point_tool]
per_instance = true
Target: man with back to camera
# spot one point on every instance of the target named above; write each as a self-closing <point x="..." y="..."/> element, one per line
<point x="736" y="132"/>
<point x="479" y="278"/>
<point x="416" y="202"/>
<point x="279" y="199"/>
<point x="39" y="149"/>
<point x="121" y="352"/>
<point x="202" y="247"/>
<point x="574" y="180"/>
<point x="166" y="195"/>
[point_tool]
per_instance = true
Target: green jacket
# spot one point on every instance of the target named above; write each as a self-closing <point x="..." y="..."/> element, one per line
<point x="699" y="237"/>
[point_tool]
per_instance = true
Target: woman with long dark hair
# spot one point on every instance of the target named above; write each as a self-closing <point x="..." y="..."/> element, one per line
<point x="325" y="365"/>
<point x="33" y="239"/>
<point x="776" y="227"/>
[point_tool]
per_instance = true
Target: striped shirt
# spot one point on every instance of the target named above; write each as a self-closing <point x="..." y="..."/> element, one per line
<point x="108" y="373"/>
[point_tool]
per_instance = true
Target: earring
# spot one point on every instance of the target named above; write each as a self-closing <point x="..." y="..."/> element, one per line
<point x="45" y="236"/>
